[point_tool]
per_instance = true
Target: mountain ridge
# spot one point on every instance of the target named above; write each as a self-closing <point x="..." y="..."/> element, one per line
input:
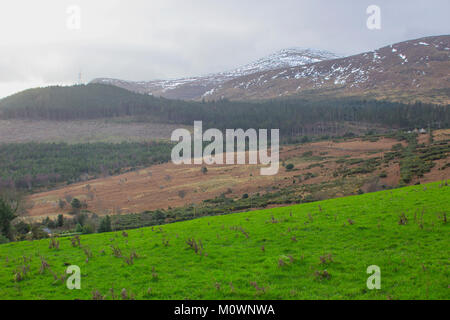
<point x="402" y="71"/>
<point x="194" y="88"/>
<point x="408" y="71"/>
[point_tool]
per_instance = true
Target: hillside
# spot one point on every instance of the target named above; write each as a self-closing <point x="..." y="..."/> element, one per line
<point x="317" y="250"/>
<point x="322" y="170"/>
<point x="406" y="71"/>
<point x="194" y="88"/>
<point x="291" y="116"/>
<point x="75" y="102"/>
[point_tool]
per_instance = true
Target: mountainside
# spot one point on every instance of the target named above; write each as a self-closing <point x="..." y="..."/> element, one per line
<point x="291" y="116"/>
<point x="75" y="102"/>
<point x="409" y="71"/>
<point x="406" y="71"/>
<point x="196" y="87"/>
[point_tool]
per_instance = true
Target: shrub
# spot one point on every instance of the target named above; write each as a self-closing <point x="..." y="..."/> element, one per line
<point x="87" y="229"/>
<point x="76" y="204"/>
<point x="383" y="175"/>
<point x="321" y="275"/>
<point x="289" y="166"/>
<point x="22" y="227"/>
<point x="54" y="244"/>
<point x="61" y="204"/>
<point x="78" y="228"/>
<point x="76" y="241"/>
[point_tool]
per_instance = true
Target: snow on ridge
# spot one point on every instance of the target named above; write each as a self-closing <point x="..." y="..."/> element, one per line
<point x="285" y="58"/>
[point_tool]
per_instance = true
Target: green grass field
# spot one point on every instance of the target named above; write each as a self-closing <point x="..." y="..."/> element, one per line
<point x="279" y="253"/>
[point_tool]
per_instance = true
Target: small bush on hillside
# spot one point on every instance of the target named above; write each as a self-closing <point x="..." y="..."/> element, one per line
<point x="75" y="203"/>
<point x="79" y="228"/>
<point x="383" y="175"/>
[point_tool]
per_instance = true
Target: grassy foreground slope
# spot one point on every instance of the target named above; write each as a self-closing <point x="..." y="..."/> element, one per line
<point x="279" y="253"/>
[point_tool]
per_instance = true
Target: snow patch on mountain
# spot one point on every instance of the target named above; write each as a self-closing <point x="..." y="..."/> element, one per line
<point x="206" y="85"/>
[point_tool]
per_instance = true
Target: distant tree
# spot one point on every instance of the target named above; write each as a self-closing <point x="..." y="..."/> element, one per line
<point x="204" y="170"/>
<point x="60" y="220"/>
<point x="105" y="225"/>
<point x="289" y="166"/>
<point x="78" y="228"/>
<point x="159" y="215"/>
<point x="7" y="215"/>
<point x="61" y="204"/>
<point x="51" y="224"/>
<point x="22" y="227"/>
<point x="46" y="221"/>
<point x="37" y="232"/>
<point x="76" y="206"/>
<point x="88" y="228"/>
<point x="81" y="218"/>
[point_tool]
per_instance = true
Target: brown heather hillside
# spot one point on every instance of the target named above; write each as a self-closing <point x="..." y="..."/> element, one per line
<point x="161" y="186"/>
<point x="406" y="71"/>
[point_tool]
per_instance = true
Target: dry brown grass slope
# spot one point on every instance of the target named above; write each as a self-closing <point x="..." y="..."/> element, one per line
<point x="165" y="185"/>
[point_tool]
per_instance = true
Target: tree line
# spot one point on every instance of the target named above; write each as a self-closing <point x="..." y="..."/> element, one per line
<point x="291" y="116"/>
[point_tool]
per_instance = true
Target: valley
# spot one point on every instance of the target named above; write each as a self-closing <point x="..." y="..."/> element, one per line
<point x="225" y="154"/>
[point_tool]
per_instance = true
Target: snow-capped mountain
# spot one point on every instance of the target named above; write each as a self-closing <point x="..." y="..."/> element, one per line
<point x="409" y="71"/>
<point x="201" y="86"/>
<point x="285" y="58"/>
<point x="406" y="71"/>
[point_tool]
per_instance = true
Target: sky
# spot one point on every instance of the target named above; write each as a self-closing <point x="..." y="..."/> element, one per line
<point x="48" y="42"/>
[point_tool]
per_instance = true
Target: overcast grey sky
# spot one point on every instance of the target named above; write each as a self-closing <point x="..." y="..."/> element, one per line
<point x="145" y="40"/>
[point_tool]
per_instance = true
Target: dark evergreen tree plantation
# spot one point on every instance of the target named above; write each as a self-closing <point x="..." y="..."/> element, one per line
<point x="299" y="116"/>
<point x="7" y="215"/>
<point x="35" y="165"/>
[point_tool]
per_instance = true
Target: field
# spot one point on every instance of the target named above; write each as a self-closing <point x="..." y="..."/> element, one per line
<point x="124" y="129"/>
<point x="322" y="170"/>
<point x="317" y="250"/>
